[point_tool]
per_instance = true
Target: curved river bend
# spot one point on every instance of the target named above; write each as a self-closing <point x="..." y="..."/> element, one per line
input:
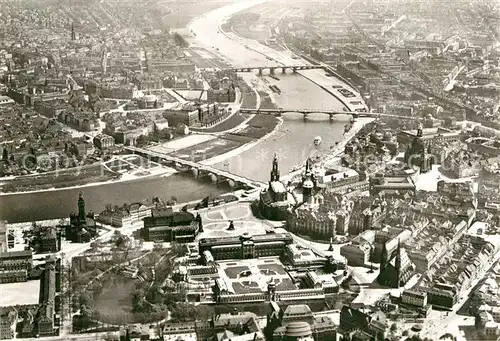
<point x="293" y="140"/>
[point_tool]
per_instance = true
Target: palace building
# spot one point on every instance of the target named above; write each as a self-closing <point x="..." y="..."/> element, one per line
<point x="246" y="246"/>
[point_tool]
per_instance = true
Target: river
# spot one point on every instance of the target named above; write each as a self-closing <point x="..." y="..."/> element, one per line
<point x="292" y="142"/>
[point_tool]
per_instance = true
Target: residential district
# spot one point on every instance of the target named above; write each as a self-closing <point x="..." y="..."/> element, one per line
<point x="392" y="233"/>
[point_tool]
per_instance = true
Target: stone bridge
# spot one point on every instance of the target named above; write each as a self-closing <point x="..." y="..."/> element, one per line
<point x="272" y="69"/>
<point x="330" y="113"/>
<point x="197" y="169"/>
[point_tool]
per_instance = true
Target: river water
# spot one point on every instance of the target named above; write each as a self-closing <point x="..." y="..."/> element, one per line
<point x="292" y="142"/>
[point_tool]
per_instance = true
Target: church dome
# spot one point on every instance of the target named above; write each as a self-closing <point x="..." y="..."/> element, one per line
<point x="308" y="184"/>
<point x="298" y="329"/>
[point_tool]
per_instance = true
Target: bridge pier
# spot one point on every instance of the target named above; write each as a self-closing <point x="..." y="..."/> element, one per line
<point x="213" y="177"/>
<point x="195" y="172"/>
<point x="283" y="70"/>
<point x="331" y="116"/>
<point x="305" y="116"/>
<point x="260" y="72"/>
<point x="294" y="69"/>
<point x="271" y="71"/>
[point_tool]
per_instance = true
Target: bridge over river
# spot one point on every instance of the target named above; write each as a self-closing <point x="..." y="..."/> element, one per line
<point x="330" y="113"/>
<point x="198" y="170"/>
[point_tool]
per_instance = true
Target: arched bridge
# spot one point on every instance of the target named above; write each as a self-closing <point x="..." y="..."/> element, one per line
<point x="331" y="113"/>
<point x="198" y="170"/>
<point x="272" y="69"/>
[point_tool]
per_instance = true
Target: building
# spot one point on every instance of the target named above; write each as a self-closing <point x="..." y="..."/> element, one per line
<point x="297" y="322"/>
<point x="8" y="322"/>
<point x="46" y="239"/>
<point x="414" y="298"/>
<point x="324" y="281"/>
<point x="190" y="114"/>
<point x="391" y="185"/>
<point x="238" y="327"/>
<point x="273" y="203"/>
<point x="47" y="303"/>
<point x="313" y="221"/>
<point x="82" y="227"/>
<point x="420" y="153"/>
<point x="166" y="225"/>
<point x="79" y="120"/>
<point x="16" y="261"/>
<point x="371" y="323"/>
<point x="149" y="102"/>
<point x="103" y="141"/>
<point x="4" y="236"/>
<point x="13" y="276"/>
<point x="125" y="215"/>
<point x="246" y="246"/>
<point x="395" y="270"/>
<point x="357" y="252"/>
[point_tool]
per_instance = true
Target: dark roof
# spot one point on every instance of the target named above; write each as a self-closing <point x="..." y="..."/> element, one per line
<point x="16" y="254"/>
<point x="174" y="219"/>
<point x="362" y="319"/>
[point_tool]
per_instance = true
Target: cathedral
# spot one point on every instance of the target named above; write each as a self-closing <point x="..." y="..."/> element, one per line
<point x="82" y="227"/>
<point x="418" y="153"/>
<point x="395" y="269"/>
<point x="273" y="203"/>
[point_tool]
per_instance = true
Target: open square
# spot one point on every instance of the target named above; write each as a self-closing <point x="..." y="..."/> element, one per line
<point x="22" y="293"/>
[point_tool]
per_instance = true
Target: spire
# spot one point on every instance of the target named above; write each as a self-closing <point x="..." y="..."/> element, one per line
<point x="275" y="173"/>
<point x="81" y="207"/>
<point x="383" y="259"/>
<point x="397" y="264"/>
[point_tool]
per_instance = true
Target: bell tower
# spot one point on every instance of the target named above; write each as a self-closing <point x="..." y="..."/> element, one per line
<point x="275" y="173"/>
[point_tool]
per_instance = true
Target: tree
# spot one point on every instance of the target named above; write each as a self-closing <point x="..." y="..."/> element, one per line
<point x="394" y="327"/>
<point x="5" y="155"/>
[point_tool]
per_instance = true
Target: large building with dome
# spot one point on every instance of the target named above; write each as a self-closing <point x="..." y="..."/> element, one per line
<point x="274" y="203"/>
<point x="298" y="323"/>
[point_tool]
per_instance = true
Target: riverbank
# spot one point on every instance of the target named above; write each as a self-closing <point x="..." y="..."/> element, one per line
<point x="160" y="171"/>
<point x="243" y="148"/>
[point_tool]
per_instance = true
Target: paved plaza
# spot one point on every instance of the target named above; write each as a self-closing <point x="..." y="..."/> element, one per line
<point x="216" y="221"/>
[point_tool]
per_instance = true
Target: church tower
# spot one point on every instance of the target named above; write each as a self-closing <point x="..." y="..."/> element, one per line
<point x="383" y="262"/>
<point x="420" y="130"/>
<point x="81" y="208"/>
<point x="275" y="173"/>
<point x="397" y="264"/>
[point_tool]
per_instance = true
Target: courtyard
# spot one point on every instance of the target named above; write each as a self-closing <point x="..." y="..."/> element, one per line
<point x="254" y="275"/>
